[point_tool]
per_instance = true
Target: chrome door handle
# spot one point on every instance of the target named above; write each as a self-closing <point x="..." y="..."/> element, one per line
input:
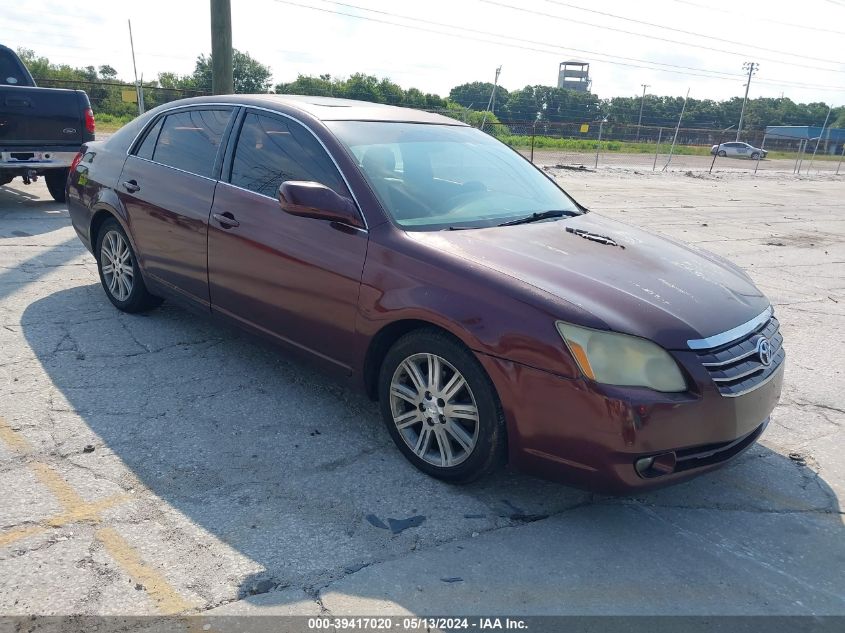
<point x="226" y="220"/>
<point x="131" y="186"/>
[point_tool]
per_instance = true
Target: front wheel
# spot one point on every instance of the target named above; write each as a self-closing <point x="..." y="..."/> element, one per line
<point x="119" y="272"/>
<point x="755" y="156"/>
<point x="56" y="179"/>
<point x="440" y="407"/>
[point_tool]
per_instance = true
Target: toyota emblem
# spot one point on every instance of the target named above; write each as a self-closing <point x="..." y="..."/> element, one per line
<point x="764" y="351"/>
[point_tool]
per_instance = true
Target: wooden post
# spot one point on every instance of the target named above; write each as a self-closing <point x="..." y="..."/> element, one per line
<point x="222" y="79"/>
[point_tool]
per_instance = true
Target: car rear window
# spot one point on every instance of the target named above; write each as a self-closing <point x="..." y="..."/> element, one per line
<point x="148" y="146"/>
<point x="189" y="140"/>
<point x="11" y="73"/>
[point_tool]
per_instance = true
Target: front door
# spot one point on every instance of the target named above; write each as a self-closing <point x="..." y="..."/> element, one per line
<point x="167" y="187"/>
<point x="293" y="278"/>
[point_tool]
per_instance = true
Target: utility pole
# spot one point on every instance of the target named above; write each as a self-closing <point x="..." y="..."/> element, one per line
<point x="492" y="102"/>
<point x="677" y="129"/>
<point x="139" y="89"/>
<point x="642" y="104"/>
<point x="816" y="148"/>
<point x="222" y="81"/>
<point x="751" y="67"/>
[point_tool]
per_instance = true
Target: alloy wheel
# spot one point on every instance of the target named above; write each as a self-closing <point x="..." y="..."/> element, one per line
<point x="434" y="410"/>
<point x="116" y="264"/>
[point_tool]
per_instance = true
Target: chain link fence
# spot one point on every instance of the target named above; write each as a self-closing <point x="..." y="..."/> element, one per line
<point x="118" y="102"/>
<point x="571" y="144"/>
<point x="605" y="144"/>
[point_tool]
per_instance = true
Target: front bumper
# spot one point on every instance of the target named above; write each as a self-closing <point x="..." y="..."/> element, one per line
<point x="592" y="436"/>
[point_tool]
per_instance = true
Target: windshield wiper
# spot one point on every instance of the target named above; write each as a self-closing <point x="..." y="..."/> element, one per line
<point x="543" y="215"/>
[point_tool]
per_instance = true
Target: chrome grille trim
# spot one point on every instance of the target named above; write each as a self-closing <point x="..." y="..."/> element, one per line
<point x="717" y="340"/>
<point x="765" y="381"/>
<point x="744" y="374"/>
<point x="734" y="366"/>
<point x="731" y="360"/>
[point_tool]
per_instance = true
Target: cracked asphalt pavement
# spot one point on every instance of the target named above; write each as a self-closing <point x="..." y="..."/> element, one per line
<point x="159" y="463"/>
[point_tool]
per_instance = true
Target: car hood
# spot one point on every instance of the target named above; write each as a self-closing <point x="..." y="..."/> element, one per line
<point x="646" y="285"/>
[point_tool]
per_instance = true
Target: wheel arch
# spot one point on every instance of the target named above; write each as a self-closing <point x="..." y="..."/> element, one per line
<point x="384" y="339"/>
<point x="99" y="217"/>
<point x="99" y="214"/>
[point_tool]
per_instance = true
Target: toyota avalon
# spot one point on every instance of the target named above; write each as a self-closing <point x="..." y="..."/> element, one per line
<point x="492" y="316"/>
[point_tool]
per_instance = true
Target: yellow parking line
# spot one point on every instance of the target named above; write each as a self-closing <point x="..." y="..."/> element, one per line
<point x="15" y="535"/>
<point x="76" y="509"/>
<point x="14" y="440"/>
<point x="67" y="496"/>
<point x="165" y="596"/>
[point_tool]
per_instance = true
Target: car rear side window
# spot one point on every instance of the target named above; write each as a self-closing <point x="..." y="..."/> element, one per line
<point x="189" y="140"/>
<point x="147" y="148"/>
<point x="272" y="150"/>
<point x="11" y="73"/>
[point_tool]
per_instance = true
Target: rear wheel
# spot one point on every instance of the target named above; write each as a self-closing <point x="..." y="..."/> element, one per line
<point x="119" y="272"/>
<point x="722" y="153"/>
<point x="56" y="179"/>
<point x="440" y="407"/>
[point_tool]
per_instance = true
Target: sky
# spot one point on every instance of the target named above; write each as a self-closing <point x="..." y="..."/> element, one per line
<point x="433" y="45"/>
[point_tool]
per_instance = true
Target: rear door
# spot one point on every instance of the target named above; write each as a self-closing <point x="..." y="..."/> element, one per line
<point x="167" y="187"/>
<point x="294" y="278"/>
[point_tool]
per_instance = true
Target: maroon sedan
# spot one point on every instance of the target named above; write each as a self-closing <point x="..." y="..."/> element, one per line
<point x="492" y="316"/>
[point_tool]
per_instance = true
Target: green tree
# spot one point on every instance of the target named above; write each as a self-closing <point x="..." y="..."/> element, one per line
<point x="249" y="75"/>
<point x="523" y="105"/>
<point x="476" y="95"/>
<point x="108" y="72"/>
<point x="321" y="86"/>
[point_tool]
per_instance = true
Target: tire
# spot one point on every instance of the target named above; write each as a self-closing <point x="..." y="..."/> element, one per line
<point x="56" y="179"/>
<point x="722" y="153"/>
<point x="430" y="437"/>
<point x="126" y="290"/>
<point x="755" y="156"/>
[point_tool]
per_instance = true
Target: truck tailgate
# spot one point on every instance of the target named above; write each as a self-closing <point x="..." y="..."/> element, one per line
<point x="32" y="116"/>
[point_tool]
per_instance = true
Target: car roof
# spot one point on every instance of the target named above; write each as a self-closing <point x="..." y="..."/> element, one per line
<point x="328" y="108"/>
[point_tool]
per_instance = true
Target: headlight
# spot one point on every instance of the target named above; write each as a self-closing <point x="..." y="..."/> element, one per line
<point x="619" y="359"/>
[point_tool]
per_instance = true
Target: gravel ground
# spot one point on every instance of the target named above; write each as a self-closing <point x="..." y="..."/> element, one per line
<point x="161" y="464"/>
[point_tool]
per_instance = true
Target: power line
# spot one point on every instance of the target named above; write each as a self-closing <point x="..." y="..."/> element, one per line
<point x="712" y="74"/>
<point x="677" y="30"/>
<point x="758" y="18"/>
<point x="655" y="37"/>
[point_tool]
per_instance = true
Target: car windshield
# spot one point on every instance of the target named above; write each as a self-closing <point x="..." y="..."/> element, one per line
<point x="433" y="177"/>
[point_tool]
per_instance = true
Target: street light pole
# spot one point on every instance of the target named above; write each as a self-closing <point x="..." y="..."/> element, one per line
<point x="642" y="104"/>
<point x="751" y="67"/>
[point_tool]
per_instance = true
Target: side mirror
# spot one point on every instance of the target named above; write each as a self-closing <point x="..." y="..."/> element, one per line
<point x="314" y="200"/>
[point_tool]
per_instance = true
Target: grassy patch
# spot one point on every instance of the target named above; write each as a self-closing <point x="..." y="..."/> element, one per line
<point x="110" y="122"/>
<point x="587" y="145"/>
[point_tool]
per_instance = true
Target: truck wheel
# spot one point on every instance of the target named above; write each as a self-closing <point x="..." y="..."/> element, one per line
<point x="56" y="179"/>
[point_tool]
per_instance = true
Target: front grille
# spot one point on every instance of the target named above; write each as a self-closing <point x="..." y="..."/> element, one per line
<point x="736" y="368"/>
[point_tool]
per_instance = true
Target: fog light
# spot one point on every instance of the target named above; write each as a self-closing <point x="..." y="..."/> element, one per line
<point x="643" y="465"/>
<point x="655" y="466"/>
